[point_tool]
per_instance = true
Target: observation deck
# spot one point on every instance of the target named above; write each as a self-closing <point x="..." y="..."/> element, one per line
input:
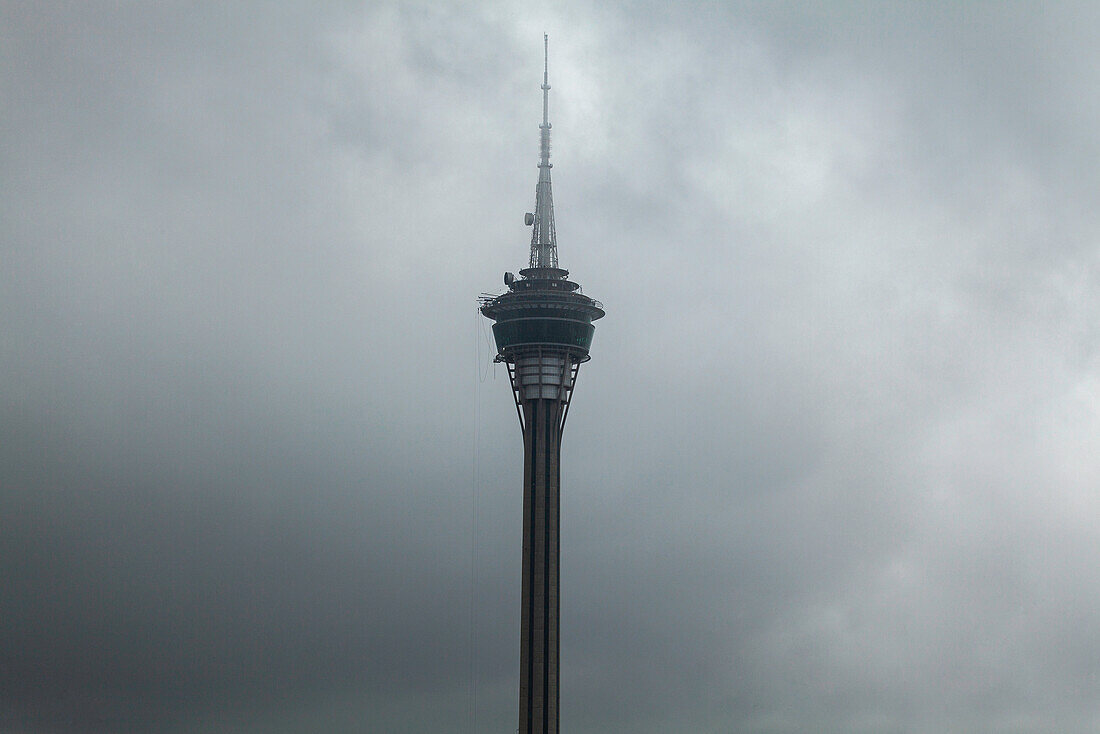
<point x="542" y="310"/>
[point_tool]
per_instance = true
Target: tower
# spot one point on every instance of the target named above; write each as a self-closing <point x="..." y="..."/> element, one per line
<point x="543" y="330"/>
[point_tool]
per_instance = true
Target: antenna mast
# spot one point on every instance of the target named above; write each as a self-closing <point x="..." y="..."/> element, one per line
<point x="544" y="241"/>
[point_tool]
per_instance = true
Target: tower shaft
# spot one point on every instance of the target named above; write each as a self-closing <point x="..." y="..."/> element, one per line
<point x="539" y="642"/>
<point x="542" y="380"/>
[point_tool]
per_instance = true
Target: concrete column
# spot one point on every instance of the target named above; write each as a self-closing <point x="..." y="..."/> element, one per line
<point x="539" y="646"/>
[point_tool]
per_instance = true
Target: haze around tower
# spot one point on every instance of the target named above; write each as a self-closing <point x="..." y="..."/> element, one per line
<point x="833" y="470"/>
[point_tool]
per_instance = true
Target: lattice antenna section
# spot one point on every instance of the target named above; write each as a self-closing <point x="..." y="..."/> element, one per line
<point x="544" y="239"/>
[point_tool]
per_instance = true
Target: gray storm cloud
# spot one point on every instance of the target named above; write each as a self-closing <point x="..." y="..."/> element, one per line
<point x="832" y="467"/>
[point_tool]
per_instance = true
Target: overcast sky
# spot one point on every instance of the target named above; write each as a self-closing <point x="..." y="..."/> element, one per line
<point x="834" y="464"/>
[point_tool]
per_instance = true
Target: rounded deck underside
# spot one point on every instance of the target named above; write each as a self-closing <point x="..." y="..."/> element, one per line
<point x="541" y="318"/>
<point x="516" y="335"/>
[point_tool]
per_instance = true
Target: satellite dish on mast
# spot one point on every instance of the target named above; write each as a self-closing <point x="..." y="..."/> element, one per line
<point x="528" y="219"/>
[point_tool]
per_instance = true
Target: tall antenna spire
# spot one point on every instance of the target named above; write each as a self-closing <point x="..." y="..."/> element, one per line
<point x="544" y="242"/>
<point x="545" y="91"/>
